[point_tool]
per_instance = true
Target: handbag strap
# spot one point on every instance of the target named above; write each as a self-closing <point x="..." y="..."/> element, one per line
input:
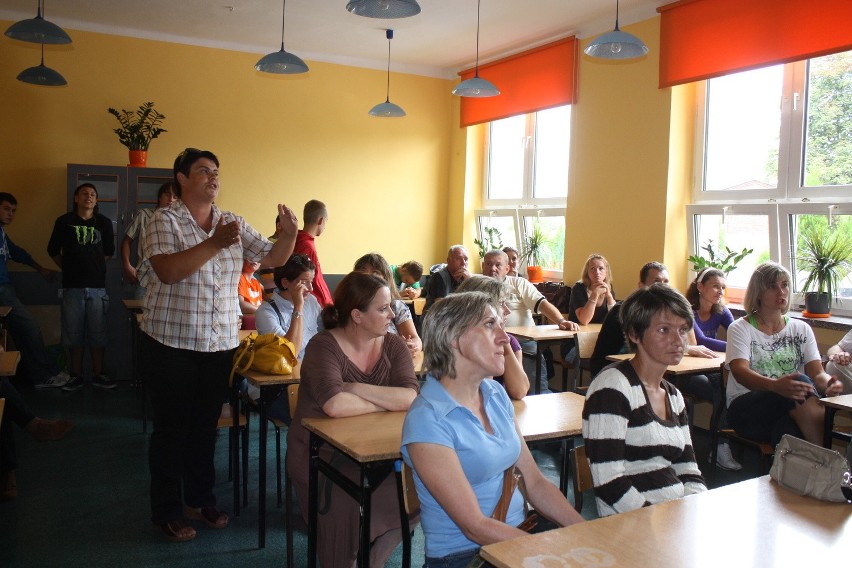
<point x="245" y="349"/>
<point x="277" y="311"/>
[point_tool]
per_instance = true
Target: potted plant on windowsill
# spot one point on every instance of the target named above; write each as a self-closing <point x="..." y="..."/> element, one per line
<point x="532" y="254"/>
<point x="137" y="130"/>
<point x="826" y="256"/>
<point x="492" y="239"/>
<point x="725" y="260"/>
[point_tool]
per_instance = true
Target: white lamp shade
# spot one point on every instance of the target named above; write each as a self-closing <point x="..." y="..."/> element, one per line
<point x="281" y="63"/>
<point x="476" y="87"/>
<point x="616" y="45"/>
<point x="387" y="110"/>
<point x="384" y="9"/>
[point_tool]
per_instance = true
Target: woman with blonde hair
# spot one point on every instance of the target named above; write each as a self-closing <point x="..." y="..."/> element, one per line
<point x="591" y="296"/>
<point x="776" y="369"/>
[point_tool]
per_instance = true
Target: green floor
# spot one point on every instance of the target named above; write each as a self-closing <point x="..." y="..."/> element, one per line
<point x="84" y="500"/>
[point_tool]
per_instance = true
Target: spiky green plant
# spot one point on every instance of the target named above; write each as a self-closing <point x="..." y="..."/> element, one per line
<point x="138" y="127"/>
<point x="826" y="256"/>
<point x="725" y="261"/>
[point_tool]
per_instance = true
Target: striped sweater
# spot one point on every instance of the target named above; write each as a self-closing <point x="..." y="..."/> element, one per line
<point x="637" y="458"/>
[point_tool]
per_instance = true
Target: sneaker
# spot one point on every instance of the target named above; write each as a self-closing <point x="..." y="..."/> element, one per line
<point x="55" y="382"/>
<point x="103" y="382"/>
<point x="725" y="460"/>
<point x="74" y="383"/>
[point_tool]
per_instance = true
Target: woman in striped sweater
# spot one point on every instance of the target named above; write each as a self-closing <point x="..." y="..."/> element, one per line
<point x="635" y="422"/>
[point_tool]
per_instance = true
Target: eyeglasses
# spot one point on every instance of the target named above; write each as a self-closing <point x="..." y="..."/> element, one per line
<point x="183" y="157"/>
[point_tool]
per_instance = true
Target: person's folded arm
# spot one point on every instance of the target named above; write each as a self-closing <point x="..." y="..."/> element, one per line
<point x="387" y="398"/>
<point x="439" y="469"/>
<point x="345" y="404"/>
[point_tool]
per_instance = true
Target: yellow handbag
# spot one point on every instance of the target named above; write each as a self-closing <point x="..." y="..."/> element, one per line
<point x="266" y="353"/>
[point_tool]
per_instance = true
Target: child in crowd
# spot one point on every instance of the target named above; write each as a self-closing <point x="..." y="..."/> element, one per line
<point x="407" y="279"/>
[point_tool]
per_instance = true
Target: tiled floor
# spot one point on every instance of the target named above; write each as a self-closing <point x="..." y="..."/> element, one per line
<point x="84" y="500"/>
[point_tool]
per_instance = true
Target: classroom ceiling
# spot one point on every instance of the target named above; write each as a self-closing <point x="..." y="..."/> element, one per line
<point x="438" y="42"/>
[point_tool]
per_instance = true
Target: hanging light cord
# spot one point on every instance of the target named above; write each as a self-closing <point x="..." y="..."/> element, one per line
<point x="478" y="3"/>
<point x="616" y="16"/>
<point x="389" y="34"/>
<point x="283" y="9"/>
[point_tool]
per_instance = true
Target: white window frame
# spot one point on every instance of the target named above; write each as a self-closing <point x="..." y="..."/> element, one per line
<point x="789" y="198"/>
<point x="517" y="214"/>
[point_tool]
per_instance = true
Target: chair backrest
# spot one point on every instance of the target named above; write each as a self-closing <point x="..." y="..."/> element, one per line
<point x="586" y="343"/>
<point x="409" y="493"/>
<point x="293" y="398"/>
<point x="419" y="304"/>
<point x="582" y="475"/>
<point x="716" y="417"/>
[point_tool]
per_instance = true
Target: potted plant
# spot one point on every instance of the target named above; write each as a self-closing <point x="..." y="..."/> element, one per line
<point x="532" y="254"/>
<point x="492" y="239"/>
<point x="715" y="258"/>
<point x="826" y="256"/>
<point x="137" y="130"/>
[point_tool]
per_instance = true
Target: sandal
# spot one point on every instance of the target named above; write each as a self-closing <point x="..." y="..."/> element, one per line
<point x="210" y="516"/>
<point x="177" y="531"/>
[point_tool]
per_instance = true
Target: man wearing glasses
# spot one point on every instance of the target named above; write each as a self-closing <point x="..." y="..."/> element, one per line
<point x="193" y="255"/>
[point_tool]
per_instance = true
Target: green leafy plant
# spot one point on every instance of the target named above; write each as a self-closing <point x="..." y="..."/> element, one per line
<point x="492" y="240"/>
<point x="138" y="127"/>
<point x="726" y="260"/>
<point x="534" y="247"/>
<point x="826" y="256"/>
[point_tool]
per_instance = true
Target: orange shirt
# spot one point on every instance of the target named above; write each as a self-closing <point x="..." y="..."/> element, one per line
<point x="250" y="290"/>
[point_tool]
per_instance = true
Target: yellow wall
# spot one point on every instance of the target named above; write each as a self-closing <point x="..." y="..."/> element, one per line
<point x="617" y="200"/>
<point x="405" y="187"/>
<point x="387" y="182"/>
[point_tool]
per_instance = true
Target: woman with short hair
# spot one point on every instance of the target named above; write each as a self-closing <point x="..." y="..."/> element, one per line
<point x="634" y="421"/>
<point x="460" y="436"/>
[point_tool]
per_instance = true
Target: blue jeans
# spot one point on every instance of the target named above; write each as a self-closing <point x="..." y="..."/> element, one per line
<point x="528" y="363"/>
<point x="455" y="560"/>
<point x="27" y="336"/>
<point x="84" y="318"/>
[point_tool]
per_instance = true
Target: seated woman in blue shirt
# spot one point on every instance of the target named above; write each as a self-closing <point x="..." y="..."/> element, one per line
<point x="460" y="435"/>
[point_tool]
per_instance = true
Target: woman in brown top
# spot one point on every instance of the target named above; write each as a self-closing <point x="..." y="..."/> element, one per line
<point x="354" y="367"/>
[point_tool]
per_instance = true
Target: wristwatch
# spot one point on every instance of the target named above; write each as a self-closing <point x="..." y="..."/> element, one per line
<point x="297" y="314"/>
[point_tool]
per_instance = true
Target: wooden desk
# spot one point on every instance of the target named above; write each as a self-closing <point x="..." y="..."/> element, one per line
<point x="373" y="442"/>
<point x="754" y="523"/>
<point x="133" y="305"/>
<point x="545" y="336"/>
<point x="832" y="405"/>
<point x="9" y="363"/>
<point x="688" y="365"/>
<point x="270" y="387"/>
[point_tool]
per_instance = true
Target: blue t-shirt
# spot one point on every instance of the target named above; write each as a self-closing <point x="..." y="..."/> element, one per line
<point x="436" y="418"/>
<point x="705" y="331"/>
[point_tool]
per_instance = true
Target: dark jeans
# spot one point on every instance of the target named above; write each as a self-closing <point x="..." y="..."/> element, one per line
<point x="764" y="416"/>
<point x="16" y="412"/>
<point x="457" y="560"/>
<point x="186" y="389"/>
<point x="27" y="336"/>
<point x="704" y="387"/>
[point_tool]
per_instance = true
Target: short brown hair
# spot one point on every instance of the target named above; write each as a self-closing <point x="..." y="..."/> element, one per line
<point x="313" y="211"/>
<point x="355" y="292"/>
<point x="640" y="306"/>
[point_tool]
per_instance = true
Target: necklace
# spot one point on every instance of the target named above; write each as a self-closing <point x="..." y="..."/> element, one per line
<point x="773" y="329"/>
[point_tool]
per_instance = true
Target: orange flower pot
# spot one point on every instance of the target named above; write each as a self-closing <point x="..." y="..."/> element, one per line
<point x="535" y="274"/>
<point x="138" y="158"/>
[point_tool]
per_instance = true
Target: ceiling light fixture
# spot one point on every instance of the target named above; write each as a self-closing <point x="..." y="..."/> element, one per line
<point x="42" y="75"/>
<point x="616" y="44"/>
<point x="387" y="109"/>
<point x="384" y="9"/>
<point x="281" y="62"/>
<point x="476" y="86"/>
<point x="38" y="30"/>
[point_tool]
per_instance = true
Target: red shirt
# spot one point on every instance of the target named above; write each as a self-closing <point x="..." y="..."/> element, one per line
<point x="305" y="245"/>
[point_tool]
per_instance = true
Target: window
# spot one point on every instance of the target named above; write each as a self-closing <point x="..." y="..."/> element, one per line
<point x="526" y="181"/>
<point x="773" y="156"/>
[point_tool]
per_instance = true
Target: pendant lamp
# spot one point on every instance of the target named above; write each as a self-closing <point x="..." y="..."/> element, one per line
<point x="384" y="9"/>
<point x="387" y="109"/>
<point x="616" y="44"/>
<point x="476" y="86"/>
<point x="42" y="75"/>
<point x="281" y="62"/>
<point x="38" y="30"/>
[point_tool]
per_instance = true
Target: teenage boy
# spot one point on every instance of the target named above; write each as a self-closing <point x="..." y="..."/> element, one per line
<point x="81" y="244"/>
<point x="24" y="329"/>
<point x="315" y="218"/>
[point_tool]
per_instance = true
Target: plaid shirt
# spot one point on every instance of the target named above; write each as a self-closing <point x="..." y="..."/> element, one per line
<point x="199" y="313"/>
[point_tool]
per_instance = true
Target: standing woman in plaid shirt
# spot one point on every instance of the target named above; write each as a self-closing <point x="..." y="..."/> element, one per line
<point x="193" y="254"/>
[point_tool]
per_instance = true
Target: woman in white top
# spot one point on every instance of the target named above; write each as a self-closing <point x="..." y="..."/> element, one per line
<point x="402" y="324"/>
<point x="776" y="369"/>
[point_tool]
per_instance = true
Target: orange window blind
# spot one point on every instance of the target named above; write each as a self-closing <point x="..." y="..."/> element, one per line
<point x="701" y="39"/>
<point x="537" y="79"/>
